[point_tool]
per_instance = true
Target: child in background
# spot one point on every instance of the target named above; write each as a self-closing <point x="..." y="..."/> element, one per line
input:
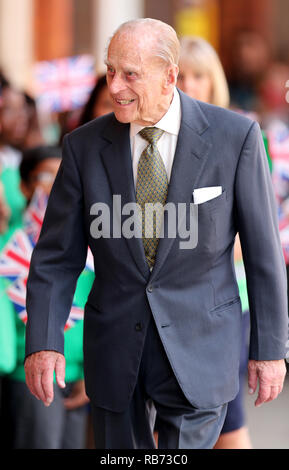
<point x="7" y="326"/>
<point x="63" y="424"/>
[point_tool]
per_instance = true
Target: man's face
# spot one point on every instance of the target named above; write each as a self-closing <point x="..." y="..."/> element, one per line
<point x="136" y="80"/>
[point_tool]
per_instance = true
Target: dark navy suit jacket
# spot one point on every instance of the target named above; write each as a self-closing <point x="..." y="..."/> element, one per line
<point x="192" y="294"/>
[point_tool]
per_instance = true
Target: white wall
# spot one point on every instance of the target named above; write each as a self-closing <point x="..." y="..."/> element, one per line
<point x="109" y="14"/>
<point x="16" y="46"/>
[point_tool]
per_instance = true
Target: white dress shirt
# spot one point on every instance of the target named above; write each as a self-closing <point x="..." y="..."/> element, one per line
<point x="170" y="124"/>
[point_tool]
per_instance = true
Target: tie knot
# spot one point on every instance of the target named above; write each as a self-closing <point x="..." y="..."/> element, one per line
<point x="151" y="134"/>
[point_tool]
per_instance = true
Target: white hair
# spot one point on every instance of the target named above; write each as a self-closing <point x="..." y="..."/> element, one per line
<point x="166" y="45"/>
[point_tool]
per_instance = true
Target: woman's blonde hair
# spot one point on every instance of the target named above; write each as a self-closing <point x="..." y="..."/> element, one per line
<point x="198" y="54"/>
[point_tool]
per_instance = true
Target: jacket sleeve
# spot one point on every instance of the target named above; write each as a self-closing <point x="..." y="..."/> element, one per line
<point x="57" y="260"/>
<point x="256" y="217"/>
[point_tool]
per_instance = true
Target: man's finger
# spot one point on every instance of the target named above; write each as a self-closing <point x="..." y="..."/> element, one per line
<point x="60" y="371"/>
<point x="266" y="393"/>
<point x="30" y="384"/>
<point x="37" y="386"/>
<point x="47" y="386"/>
<point x="275" y="390"/>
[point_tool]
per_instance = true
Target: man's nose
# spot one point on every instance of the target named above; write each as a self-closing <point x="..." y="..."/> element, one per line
<point x="116" y="84"/>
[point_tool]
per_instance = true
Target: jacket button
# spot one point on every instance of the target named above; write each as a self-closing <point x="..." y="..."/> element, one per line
<point x="138" y="326"/>
<point x="150" y="288"/>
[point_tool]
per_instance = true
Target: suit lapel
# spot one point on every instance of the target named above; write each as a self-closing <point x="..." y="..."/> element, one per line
<point x="191" y="153"/>
<point x="118" y="163"/>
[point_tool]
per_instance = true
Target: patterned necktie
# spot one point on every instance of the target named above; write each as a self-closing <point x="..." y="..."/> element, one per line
<point x="151" y="188"/>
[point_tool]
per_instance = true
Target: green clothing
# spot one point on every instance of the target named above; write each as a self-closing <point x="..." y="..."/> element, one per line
<point x="7" y="332"/>
<point x="73" y="350"/>
<point x="15" y="200"/>
<point x="242" y="284"/>
<point x="266" y="144"/>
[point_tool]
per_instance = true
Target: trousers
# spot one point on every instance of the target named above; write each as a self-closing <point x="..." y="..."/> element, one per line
<point x="157" y="394"/>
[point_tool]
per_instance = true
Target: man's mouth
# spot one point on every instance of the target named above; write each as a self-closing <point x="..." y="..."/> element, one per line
<point x="123" y="102"/>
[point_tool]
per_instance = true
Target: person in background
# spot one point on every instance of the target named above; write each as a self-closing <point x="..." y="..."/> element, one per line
<point x="32" y="425"/>
<point x="7" y="324"/>
<point x="201" y="73"/>
<point x="4" y="210"/>
<point x="202" y="77"/>
<point x="99" y="102"/>
<point x="13" y="132"/>
<point x="34" y="136"/>
<point x="251" y="57"/>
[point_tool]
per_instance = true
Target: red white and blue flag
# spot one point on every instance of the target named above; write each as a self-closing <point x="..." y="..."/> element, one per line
<point x="278" y="137"/>
<point x="16" y="256"/>
<point x="34" y="214"/>
<point x="64" y="84"/>
<point x="17" y="294"/>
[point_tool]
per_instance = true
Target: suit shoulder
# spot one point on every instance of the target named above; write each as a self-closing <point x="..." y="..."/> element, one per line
<point x="226" y="118"/>
<point x="91" y="129"/>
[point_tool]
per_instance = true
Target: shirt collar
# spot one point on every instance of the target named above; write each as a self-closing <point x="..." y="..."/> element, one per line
<point x="170" y="122"/>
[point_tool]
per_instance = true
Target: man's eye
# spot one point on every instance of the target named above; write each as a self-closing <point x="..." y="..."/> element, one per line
<point x="110" y="70"/>
<point x="130" y="74"/>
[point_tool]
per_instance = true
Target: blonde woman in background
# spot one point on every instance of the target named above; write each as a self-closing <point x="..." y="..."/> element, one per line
<point x="201" y="74"/>
<point x="202" y="77"/>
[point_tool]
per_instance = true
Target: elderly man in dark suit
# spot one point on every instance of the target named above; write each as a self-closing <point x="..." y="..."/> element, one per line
<point x="163" y="318"/>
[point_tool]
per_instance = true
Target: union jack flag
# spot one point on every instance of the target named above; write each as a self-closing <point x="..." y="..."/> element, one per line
<point x="16" y="255"/>
<point x="17" y="294"/>
<point x="34" y="214"/>
<point x="89" y="261"/>
<point x="33" y="220"/>
<point x="76" y="314"/>
<point x="64" y="84"/>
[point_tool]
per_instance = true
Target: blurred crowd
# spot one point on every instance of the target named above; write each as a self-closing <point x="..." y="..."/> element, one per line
<point x="30" y="154"/>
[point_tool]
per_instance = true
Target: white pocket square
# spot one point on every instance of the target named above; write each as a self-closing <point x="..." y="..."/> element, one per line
<point x="201" y="195"/>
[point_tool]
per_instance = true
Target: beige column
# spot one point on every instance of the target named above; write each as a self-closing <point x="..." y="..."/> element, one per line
<point x="16" y="40"/>
<point x="109" y="14"/>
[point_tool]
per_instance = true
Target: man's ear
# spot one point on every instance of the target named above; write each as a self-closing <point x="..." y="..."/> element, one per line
<point x="171" y="78"/>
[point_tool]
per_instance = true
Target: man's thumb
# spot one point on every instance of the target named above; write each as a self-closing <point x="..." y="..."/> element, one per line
<point x="60" y="371"/>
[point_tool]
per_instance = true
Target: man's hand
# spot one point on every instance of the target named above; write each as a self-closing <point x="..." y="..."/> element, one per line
<point x="39" y="368"/>
<point x="271" y="375"/>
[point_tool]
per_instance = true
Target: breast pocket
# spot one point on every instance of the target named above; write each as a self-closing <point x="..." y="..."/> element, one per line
<point x="213" y="204"/>
<point x="207" y="215"/>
